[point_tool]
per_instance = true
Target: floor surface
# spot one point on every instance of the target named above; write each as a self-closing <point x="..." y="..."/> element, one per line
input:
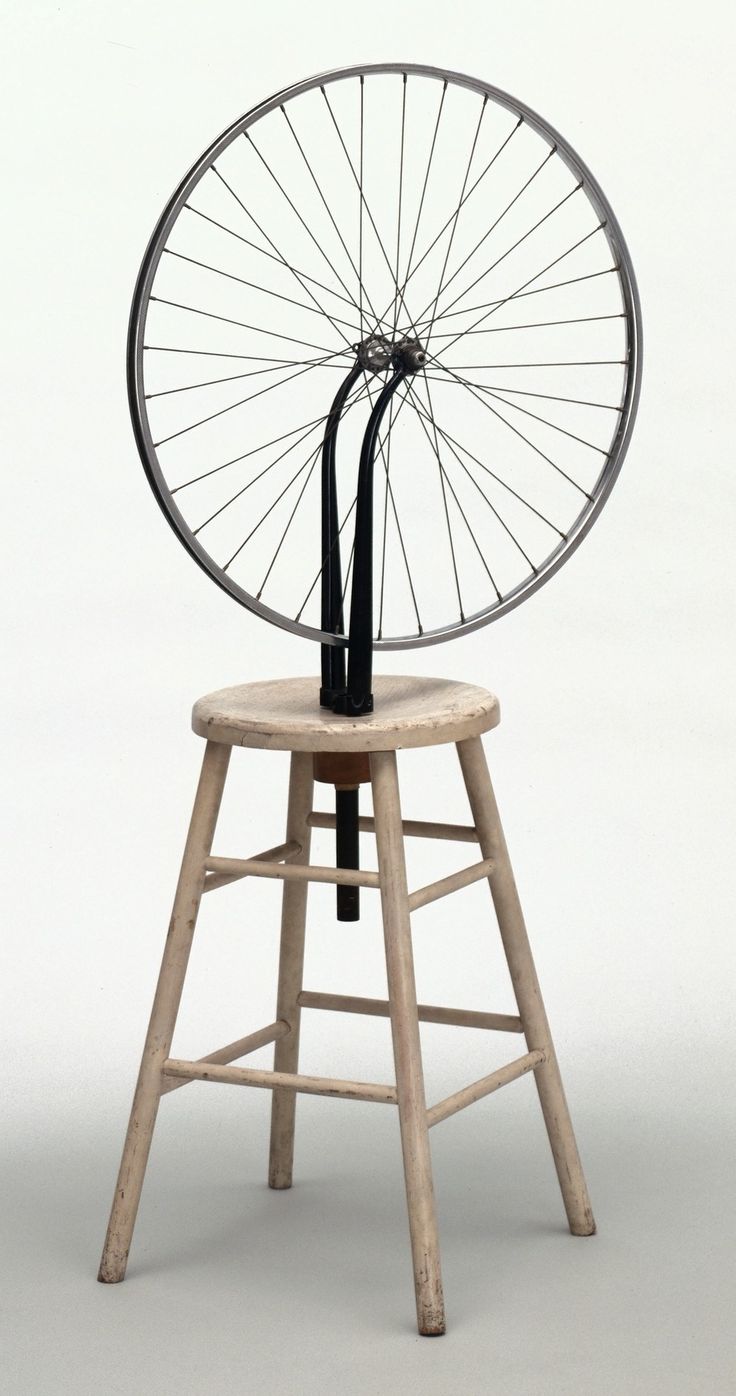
<point x="232" y="1288"/>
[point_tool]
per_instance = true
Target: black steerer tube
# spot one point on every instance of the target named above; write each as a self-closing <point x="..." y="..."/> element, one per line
<point x="347" y="850"/>
<point x="333" y="656"/>
<point x="357" y="698"/>
<point x="354" y="698"/>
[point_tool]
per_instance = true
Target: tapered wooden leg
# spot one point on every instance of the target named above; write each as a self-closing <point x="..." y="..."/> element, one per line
<point x="164" y="1013"/>
<point x="407" y="1051"/>
<point x="526" y="986"/>
<point x="291" y="969"/>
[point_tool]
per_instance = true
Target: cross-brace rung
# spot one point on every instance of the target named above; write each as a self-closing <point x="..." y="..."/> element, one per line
<point x="235" y="1050"/>
<point x="445" y="885"/>
<point x="212" y="1069"/>
<point x="297" y="872"/>
<point x="273" y="861"/>
<point x="427" y="1013"/>
<point x="224" y="870"/>
<point x="310" y="1085"/>
<point x="469" y="1094"/>
<point x="281" y="853"/>
<point x="411" y="828"/>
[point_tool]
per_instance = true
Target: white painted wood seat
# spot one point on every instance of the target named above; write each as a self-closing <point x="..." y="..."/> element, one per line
<point x="282" y="715"/>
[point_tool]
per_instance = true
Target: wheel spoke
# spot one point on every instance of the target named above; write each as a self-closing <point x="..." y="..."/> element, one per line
<point x="472" y="189"/>
<point x="272" y="256"/>
<point x="447" y="515"/>
<point x="527" y="413"/>
<point x="361" y="289"/>
<point x="433" y="314"/>
<point x="408" y="273"/>
<point x="486" y="305"/>
<point x="520" y="392"/>
<point x="369" y="215"/>
<point x="290" y="521"/>
<point x="529" y="443"/>
<point x="513" y="294"/>
<point x="311" y="459"/>
<point x="313" y="309"/>
<point x="547" y="363"/>
<point x="230" y="378"/>
<point x="221" y="354"/>
<point x="282" y="259"/>
<point x="258" y="329"/>
<point x="312" y="456"/>
<point x="348" y="570"/>
<point x="241" y="403"/>
<point x="538" y="325"/>
<point x="252" y="452"/>
<point x="451" y="440"/>
<point x="521" y="295"/>
<point x="384" y="447"/>
<point x="302" y="220"/>
<point x="387" y="468"/>
<point x="560" y="204"/>
<point x="401" y="190"/>
<point x="383" y="442"/>
<point x="453" y="224"/>
<point x="435" y="448"/>
<point x="360" y="205"/>
<point x="331" y="549"/>
<point x="482" y="493"/>
<point x="244" y="488"/>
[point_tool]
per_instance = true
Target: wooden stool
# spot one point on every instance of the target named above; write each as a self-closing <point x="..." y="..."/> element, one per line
<point x="283" y="716"/>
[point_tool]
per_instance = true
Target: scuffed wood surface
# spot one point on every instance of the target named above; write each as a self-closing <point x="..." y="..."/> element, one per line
<point x="284" y="715"/>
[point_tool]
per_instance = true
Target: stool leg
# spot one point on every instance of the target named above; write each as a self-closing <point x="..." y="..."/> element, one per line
<point x="526" y="986"/>
<point x="407" y="1050"/>
<point x="291" y="969"/>
<point x="164" y="1013"/>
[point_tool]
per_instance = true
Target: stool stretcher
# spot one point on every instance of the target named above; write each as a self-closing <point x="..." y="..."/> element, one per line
<point x="288" y="872"/>
<point x="411" y="828"/>
<point x="223" y="870"/>
<point x="469" y="1094"/>
<point x="445" y="885"/>
<point x="428" y="1013"/>
<point x="235" y="1050"/>
<point x="269" y="1080"/>
<point x="281" y="853"/>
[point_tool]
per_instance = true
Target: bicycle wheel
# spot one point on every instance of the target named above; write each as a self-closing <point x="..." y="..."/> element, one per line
<point x="367" y="207"/>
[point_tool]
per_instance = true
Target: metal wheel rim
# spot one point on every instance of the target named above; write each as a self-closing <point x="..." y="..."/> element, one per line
<point x="630" y="295"/>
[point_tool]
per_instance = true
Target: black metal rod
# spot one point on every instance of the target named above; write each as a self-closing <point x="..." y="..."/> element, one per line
<point x="347" y="854"/>
<point x="358" y="697"/>
<point x="333" y="656"/>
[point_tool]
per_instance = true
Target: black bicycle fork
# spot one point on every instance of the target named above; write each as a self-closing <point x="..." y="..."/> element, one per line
<point x="350" y="693"/>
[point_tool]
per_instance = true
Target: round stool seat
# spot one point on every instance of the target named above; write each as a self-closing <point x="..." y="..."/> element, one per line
<point x="284" y="715"/>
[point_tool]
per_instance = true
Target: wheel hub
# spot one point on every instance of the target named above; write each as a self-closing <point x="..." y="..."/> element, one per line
<point x="377" y="352"/>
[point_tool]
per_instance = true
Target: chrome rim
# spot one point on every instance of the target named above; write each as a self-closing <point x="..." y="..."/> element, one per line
<point x="515" y="410"/>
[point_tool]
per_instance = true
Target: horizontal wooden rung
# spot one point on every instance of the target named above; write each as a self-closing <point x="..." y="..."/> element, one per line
<point x="297" y="872"/>
<point x="268" y="1080"/>
<point x="281" y="853"/>
<point x="442" y="888"/>
<point x="452" y="1103"/>
<point x="234" y="1051"/>
<point x="411" y="828"/>
<point x="380" y="1008"/>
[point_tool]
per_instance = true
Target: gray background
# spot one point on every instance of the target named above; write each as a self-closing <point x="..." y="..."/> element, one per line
<point x="614" y="768"/>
